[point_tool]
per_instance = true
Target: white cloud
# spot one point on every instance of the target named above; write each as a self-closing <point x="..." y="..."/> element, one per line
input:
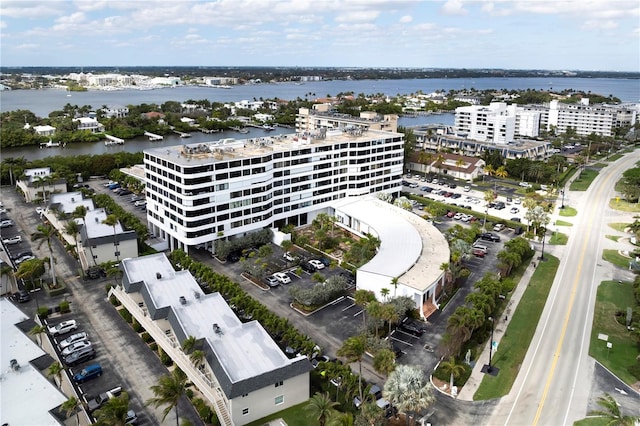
<point x="453" y="7"/>
<point x="599" y="25"/>
<point x="406" y="19"/>
<point x="30" y="9"/>
<point x="358" y="16"/>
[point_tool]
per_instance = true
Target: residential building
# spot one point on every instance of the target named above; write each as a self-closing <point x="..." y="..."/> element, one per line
<point x="322" y="116"/>
<point x="45" y="130"/>
<point x="115" y="111"/>
<point x="90" y="124"/>
<point x="38" y="184"/>
<point x="220" y="81"/>
<point x="582" y="117"/>
<point x="28" y="396"/>
<point x="104" y="243"/>
<point x="68" y="202"/>
<point x="244" y="374"/>
<point x="411" y="251"/>
<point x="199" y="193"/>
<point x="494" y="123"/>
<point x="457" y="166"/>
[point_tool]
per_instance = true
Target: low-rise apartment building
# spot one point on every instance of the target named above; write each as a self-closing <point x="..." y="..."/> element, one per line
<point x="105" y="243"/>
<point x="244" y="374"/>
<point x="39" y="184"/>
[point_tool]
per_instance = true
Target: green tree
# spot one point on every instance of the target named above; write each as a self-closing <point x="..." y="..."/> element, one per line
<point x="72" y="406"/>
<point x="112" y="220"/>
<point x="612" y="414"/>
<point x="46" y="233"/>
<point x="407" y="389"/>
<point x="453" y="368"/>
<point x="320" y="407"/>
<point x="168" y="391"/>
<point x="363" y="298"/>
<point x="353" y="350"/>
<point x="114" y="411"/>
<point x="72" y="228"/>
<point x="55" y="370"/>
<point x="38" y="331"/>
<point x="384" y="361"/>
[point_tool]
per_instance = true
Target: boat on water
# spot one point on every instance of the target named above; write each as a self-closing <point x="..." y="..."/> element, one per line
<point x="268" y="127"/>
<point x="50" y="144"/>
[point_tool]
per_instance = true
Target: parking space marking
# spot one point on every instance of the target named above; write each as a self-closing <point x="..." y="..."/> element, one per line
<point x="401" y="341"/>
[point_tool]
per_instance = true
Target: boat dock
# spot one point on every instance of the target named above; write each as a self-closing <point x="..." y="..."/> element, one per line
<point x="153" y="137"/>
<point x="209" y="131"/>
<point x="182" y="134"/>
<point x="112" y="140"/>
<point x="50" y="144"/>
<point x="241" y="130"/>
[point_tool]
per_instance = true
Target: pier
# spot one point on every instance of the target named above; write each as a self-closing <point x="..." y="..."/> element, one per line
<point x="209" y="131"/>
<point x="182" y="134"/>
<point x="153" y="137"/>
<point x="112" y="140"/>
<point x="241" y="130"/>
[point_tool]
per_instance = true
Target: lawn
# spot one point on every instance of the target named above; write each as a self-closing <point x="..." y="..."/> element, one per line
<point x="611" y="297"/>
<point x="295" y="415"/>
<point x="592" y="421"/>
<point x="623" y="205"/>
<point x="558" y="239"/>
<point x="613" y="237"/>
<point x="563" y="223"/>
<point x="517" y="338"/>
<point x="619" y="226"/>
<point x="582" y="183"/>
<point x="616" y="258"/>
<point x="567" y="211"/>
<point x="615" y="157"/>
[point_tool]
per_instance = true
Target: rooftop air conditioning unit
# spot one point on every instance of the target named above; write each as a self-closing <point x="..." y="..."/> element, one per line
<point x="158" y="275"/>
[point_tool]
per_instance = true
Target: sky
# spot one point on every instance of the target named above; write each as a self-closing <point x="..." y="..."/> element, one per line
<point x="599" y="35"/>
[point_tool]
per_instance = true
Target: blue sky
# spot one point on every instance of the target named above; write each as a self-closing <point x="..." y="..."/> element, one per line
<point x="541" y="34"/>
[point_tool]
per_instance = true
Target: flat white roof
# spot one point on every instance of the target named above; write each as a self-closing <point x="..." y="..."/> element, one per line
<point x="26" y="396"/>
<point x="95" y="228"/>
<point x="244" y="350"/>
<point x="70" y="200"/>
<point x="410" y="248"/>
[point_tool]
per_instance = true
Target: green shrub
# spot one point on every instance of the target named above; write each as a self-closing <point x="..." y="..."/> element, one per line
<point x="153" y="346"/>
<point x="146" y="337"/>
<point x="108" y="287"/>
<point x="64" y="307"/>
<point x="43" y="312"/>
<point x="136" y="326"/>
<point x="635" y="370"/>
<point x="126" y="315"/>
<point x="166" y="359"/>
<point x="188" y="393"/>
<point x="114" y="301"/>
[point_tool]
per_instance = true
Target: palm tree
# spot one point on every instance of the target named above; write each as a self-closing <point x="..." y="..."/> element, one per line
<point x="45" y="233"/>
<point x="37" y="331"/>
<point x="168" y="392"/>
<point x="362" y="298"/>
<point x="407" y="389"/>
<point x="72" y="228"/>
<point x="439" y="160"/>
<point x="71" y="406"/>
<point x="80" y="213"/>
<point x="374" y="310"/>
<point x="55" y="370"/>
<point x="336" y="418"/>
<point x="394" y="283"/>
<point x="612" y="414"/>
<point x="197" y="357"/>
<point x="488" y="170"/>
<point x="114" y="411"/>
<point x="384" y="362"/>
<point x="320" y="406"/>
<point x="384" y="292"/>
<point x="459" y="163"/>
<point x="453" y="368"/>
<point x="390" y="314"/>
<point x="112" y="220"/>
<point x="353" y="349"/>
<point x="189" y="344"/>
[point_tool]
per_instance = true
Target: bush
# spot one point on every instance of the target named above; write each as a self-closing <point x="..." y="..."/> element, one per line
<point x="108" y="287"/>
<point x="153" y="346"/>
<point x="136" y="326"/>
<point x="43" y="312"/>
<point x="114" y="301"/>
<point x="635" y="370"/>
<point x="126" y="315"/>
<point x="166" y="359"/>
<point x="64" y="307"/>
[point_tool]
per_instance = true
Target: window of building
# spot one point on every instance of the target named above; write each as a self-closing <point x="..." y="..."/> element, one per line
<point x="279" y="399"/>
<point x="245" y="411"/>
<point x="280" y="383"/>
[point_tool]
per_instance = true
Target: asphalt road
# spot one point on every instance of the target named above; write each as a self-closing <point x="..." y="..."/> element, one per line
<point x="555" y="381"/>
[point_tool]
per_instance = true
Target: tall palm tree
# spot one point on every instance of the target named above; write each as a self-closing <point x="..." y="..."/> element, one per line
<point x="459" y="163"/>
<point x="72" y="228"/>
<point x="612" y="414"/>
<point x="112" y="220"/>
<point x="453" y="368"/>
<point x="384" y="292"/>
<point x="321" y="407"/>
<point x="394" y="283"/>
<point x="407" y="389"/>
<point x="374" y="310"/>
<point x="336" y="418"/>
<point x="390" y="315"/>
<point x="45" y="233"/>
<point x="114" y="411"/>
<point x="80" y="213"/>
<point x="38" y="331"/>
<point x="197" y="357"/>
<point x="168" y="392"/>
<point x="55" y="370"/>
<point x="384" y="361"/>
<point x="189" y="344"/>
<point x="72" y="406"/>
<point x="353" y="350"/>
<point x="363" y="298"/>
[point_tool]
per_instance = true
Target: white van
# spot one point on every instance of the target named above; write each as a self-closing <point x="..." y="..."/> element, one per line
<point x="482" y="247"/>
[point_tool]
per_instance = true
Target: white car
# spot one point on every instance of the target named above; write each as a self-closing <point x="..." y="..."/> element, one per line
<point x="76" y="337"/>
<point x="457" y="216"/>
<point x="40" y="210"/>
<point x="525" y="184"/>
<point x="514" y="210"/>
<point x="289" y="256"/>
<point x="282" y="277"/>
<point x="140" y="203"/>
<point x="82" y="344"/>
<point x="12" y="240"/>
<point x="467" y="188"/>
<point x="316" y="264"/>
<point x="63" y="328"/>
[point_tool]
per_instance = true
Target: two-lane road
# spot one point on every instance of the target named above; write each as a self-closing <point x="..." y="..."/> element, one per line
<point x="554" y="382"/>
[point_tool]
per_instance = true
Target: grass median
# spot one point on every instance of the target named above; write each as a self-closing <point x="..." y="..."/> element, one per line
<point x="567" y="212"/>
<point x="582" y="183"/>
<point x="517" y="338"/>
<point x="616" y="258"/>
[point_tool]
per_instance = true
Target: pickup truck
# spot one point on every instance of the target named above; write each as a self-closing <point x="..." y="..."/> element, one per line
<point x="98" y="401"/>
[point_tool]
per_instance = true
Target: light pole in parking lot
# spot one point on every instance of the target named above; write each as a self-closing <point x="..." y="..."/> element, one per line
<point x="562" y="193"/>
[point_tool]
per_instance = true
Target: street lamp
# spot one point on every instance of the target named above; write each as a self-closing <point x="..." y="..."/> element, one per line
<point x="488" y="368"/>
<point x="562" y="193"/>
<point x="544" y="234"/>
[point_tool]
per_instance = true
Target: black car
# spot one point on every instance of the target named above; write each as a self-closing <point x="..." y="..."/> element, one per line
<point x="22" y="296"/>
<point x="124" y="192"/>
<point x="410" y="327"/>
<point x="488" y="236"/>
<point x="95" y="272"/>
<point x="80" y="356"/>
<point x="307" y="267"/>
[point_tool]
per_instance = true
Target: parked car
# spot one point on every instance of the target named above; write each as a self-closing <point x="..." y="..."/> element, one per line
<point x="488" y="236"/>
<point x="498" y="227"/>
<point x="40" y="211"/>
<point x="22" y="296"/>
<point x="89" y="372"/>
<point x="516" y="219"/>
<point x="21" y="254"/>
<point x="272" y="281"/>
<point x="467" y="188"/>
<point x="76" y="346"/>
<point x="63" y="328"/>
<point x="76" y="337"/>
<point x="316" y="264"/>
<point x="131" y="418"/>
<point x="78" y="357"/>
<point x="99" y="400"/>
<point x="307" y="267"/>
<point x="140" y="203"/>
<point x="409" y="327"/>
<point x="290" y="257"/>
<point x="124" y="192"/>
<point x="478" y="252"/>
<point x="24" y="258"/>
<point x="514" y="210"/>
<point x="282" y="277"/>
<point x="6" y="223"/>
<point x="12" y="240"/>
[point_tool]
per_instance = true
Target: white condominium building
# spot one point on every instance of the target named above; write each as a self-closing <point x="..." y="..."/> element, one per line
<point x="582" y="117"/>
<point x="494" y="123"/>
<point x="199" y="193"/>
